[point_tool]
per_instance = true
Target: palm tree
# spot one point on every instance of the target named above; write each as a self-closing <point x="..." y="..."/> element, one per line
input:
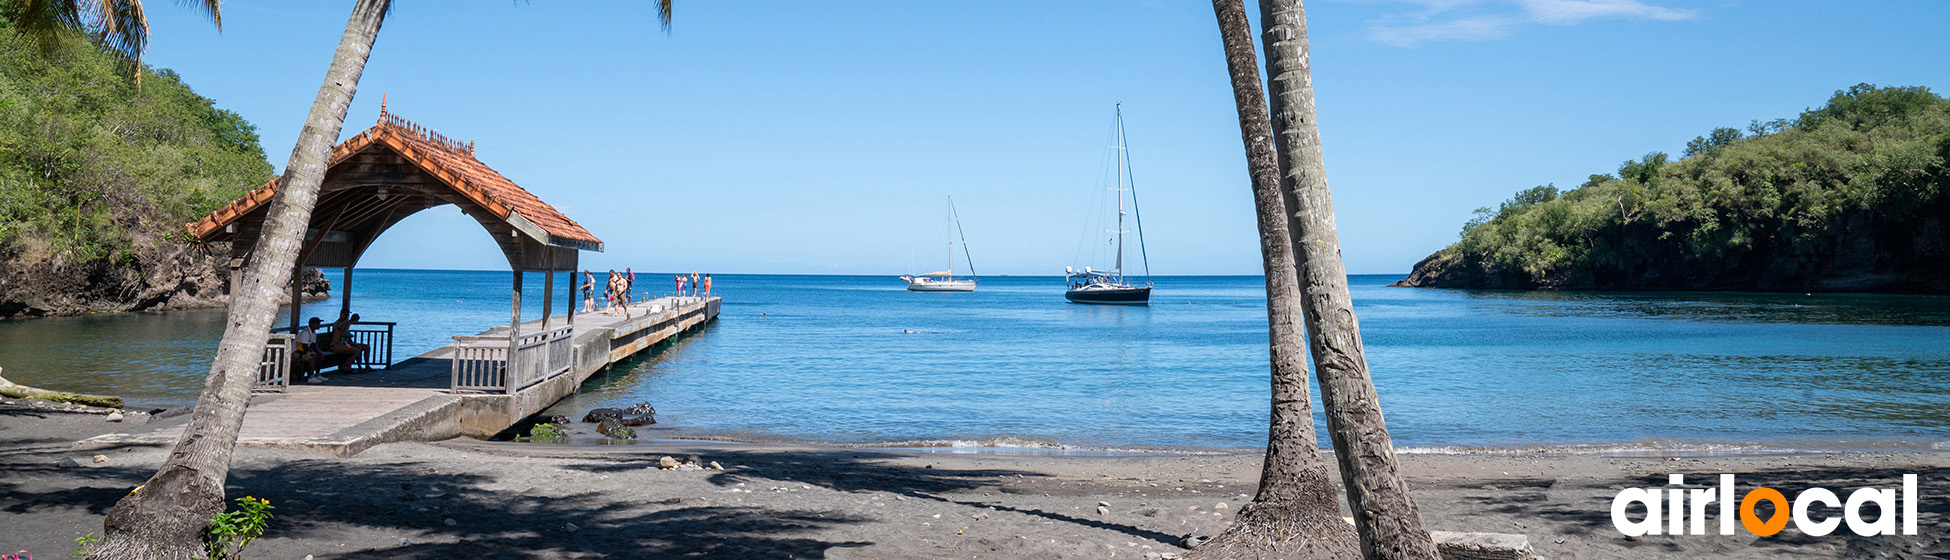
<point x="166" y="517"/>
<point x="1384" y="513"/>
<point x="1297" y="512"/>
<point x="119" y="25"/>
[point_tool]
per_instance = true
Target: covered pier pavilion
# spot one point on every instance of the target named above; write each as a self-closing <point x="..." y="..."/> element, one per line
<point x="482" y="383"/>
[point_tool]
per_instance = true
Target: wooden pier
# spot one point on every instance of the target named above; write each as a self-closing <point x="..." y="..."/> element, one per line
<point x="481" y="384"/>
<point x="415" y="400"/>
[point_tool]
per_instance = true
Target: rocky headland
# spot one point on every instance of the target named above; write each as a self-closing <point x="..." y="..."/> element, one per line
<point x="1849" y="197"/>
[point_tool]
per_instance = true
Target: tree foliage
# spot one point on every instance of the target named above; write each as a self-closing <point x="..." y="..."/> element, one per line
<point x="90" y="165"/>
<point x="1783" y="196"/>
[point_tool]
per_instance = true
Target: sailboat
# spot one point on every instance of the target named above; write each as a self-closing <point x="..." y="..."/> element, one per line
<point x="1112" y="286"/>
<point x="945" y="281"/>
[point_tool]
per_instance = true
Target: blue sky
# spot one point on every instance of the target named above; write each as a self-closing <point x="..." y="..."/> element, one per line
<point x="822" y="137"/>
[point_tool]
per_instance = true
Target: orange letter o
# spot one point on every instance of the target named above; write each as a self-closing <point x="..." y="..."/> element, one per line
<point x="1752" y="522"/>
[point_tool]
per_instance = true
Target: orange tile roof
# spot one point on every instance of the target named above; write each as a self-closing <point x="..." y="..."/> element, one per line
<point x="443" y="158"/>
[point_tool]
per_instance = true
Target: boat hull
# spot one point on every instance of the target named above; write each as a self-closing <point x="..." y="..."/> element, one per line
<point x="1111" y="296"/>
<point x="955" y="286"/>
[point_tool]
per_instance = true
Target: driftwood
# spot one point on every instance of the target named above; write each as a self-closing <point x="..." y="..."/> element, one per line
<point x="10" y="389"/>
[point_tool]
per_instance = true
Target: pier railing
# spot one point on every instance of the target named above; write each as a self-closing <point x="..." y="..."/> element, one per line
<point x="481" y="363"/>
<point x="274" y="370"/>
<point x="376" y="335"/>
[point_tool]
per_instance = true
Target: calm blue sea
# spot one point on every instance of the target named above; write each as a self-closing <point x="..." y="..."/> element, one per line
<point x="825" y="358"/>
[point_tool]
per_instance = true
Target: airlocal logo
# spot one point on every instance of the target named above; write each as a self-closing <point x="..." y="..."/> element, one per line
<point x="1684" y="510"/>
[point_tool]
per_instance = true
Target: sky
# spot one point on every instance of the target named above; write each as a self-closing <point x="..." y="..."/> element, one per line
<point x="825" y="137"/>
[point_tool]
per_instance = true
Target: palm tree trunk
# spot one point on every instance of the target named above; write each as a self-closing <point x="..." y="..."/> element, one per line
<point x="167" y="517"/>
<point x="1384" y="512"/>
<point x="1296" y="513"/>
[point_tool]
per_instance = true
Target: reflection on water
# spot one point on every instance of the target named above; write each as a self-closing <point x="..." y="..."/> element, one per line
<point x="824" y="358"/>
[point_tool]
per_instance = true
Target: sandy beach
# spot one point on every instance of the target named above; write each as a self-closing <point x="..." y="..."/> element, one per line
<point x="472" y="499"/>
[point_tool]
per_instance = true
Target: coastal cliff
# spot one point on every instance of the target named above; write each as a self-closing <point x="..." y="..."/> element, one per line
<point x="1849" y="197"/>
<point x="98" y="176"/>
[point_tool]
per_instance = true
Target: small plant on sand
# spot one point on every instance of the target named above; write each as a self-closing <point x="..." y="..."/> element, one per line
<point x="544" y="433"/>
<point x="84" y="542"/>
<point x="230" y="532"/>
<point x="546" y="430"/>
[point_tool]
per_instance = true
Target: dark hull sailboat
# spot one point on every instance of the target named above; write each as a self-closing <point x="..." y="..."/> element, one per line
<point x="1112" y="287"/>
<point x="1110" y="295"/>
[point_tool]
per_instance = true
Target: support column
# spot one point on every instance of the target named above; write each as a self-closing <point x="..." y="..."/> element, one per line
<point x="548" y="288"/>
<point x="297" y="299"/>
<point x="574" y="286"/>
<point x="345" y="292"/>
<point x="514" y="335"/>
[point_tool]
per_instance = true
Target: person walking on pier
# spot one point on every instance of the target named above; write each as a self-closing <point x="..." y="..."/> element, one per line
<point x="707" y="285"/>
<point x="588" y="291"/>
<point x="629" y="283"/>
<point x="680" y="285"/>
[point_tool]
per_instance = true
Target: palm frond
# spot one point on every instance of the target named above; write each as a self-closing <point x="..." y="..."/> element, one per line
<point x="44" y="22"/>
<point x="212" y="9"/>
<point x="120" y="25"/>
<point x="663" y="14"/>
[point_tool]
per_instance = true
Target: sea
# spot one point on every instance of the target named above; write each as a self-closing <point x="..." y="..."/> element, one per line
<point x="858" y="360"/>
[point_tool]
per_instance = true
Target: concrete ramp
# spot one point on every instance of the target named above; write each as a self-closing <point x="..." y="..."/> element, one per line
<point x="340" y="421"/>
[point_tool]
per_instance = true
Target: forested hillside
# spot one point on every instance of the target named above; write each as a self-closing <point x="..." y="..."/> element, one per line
<point x="1849" y="196"/>
<point x="97" y="179"/>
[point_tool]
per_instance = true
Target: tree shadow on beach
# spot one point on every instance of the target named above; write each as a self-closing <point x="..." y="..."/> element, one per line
<point x="317" y="498"/>
<point x="865" y="470"/>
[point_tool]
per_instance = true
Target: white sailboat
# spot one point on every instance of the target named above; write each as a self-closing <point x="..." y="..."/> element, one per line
<point x="945" y="281"/>
<point x="1111" y="286"/>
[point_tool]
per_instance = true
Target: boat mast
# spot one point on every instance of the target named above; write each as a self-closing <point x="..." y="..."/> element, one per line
<point x="955" y="217"/>
<point x="1119" y="189"/>
<point x="951" y="238"/>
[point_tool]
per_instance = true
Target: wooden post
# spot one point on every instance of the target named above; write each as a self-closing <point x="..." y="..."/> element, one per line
<point x="514" y="323"/>
<point x="574" y="277"/>
<point x="297" y="300"/>
<point x="548" y="288"/>
<point x="345" y="292"/>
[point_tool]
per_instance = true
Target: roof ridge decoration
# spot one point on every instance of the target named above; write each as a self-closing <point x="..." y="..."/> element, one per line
<point x="393" y="120"/>
<point x="449" y="161"/>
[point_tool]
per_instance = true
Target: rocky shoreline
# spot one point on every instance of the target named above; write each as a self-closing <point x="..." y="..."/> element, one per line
<point x="160" y="276"/>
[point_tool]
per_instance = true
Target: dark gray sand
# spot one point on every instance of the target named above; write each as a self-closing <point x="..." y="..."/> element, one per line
<point x="467" y="499"/>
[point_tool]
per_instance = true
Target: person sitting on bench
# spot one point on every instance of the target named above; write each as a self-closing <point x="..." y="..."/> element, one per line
<point x="305" y="357"/>
<point x="342" y="345"/>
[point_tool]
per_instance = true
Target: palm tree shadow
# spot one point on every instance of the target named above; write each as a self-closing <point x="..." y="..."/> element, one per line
<point x="864" y="471"/>
<point x="320" y="498"/>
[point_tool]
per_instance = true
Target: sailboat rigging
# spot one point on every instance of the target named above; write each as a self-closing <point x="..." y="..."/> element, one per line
<point x="1112" y="286"/>
<point x="945" y="281"/>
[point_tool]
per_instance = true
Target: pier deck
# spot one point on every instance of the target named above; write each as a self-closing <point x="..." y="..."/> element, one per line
<point x="412" y="401"/>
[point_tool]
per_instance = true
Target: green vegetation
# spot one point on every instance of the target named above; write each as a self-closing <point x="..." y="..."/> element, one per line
<point x="544" y="433"/>
<point x="231" y="531"/>
<point x="84" y="542"/>
<point x="1855" y="188"/>
<point x="90" y="167"/>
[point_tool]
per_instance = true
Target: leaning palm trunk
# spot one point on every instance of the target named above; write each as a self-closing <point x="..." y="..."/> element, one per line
<point x="168" y="517"/>
<point x="1384" y="513"/>
<point x="1296" y="513"/>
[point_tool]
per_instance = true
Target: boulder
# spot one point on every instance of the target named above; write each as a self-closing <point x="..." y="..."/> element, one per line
<point x="600" y="414"/>
<point x="614" y="429"/>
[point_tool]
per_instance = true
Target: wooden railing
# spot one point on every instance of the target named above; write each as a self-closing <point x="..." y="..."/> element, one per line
<point x="274" y="370"/>
<point x="378" y="338"/>
<point x="481" y="363"/>
<point x="376" y="335"/>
